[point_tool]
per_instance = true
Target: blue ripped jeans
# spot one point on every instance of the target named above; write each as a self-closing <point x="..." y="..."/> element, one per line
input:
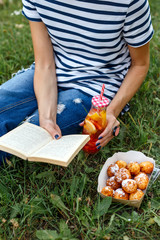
<point x="18" y="102"/>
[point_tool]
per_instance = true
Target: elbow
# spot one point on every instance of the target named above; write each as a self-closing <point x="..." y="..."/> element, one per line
<point x="141" y="67"/>
<point x="45" y="66"/>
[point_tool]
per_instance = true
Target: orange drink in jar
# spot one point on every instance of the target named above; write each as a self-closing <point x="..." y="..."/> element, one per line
<point x="95" y="122"/>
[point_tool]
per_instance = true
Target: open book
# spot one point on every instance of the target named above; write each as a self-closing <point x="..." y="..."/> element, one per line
<point x="33" y="143"/>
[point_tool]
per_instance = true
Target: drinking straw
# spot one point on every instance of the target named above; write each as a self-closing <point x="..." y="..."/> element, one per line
<point x="102" y="91"/>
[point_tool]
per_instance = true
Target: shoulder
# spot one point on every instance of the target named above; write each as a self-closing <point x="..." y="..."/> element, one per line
<point x="139" y="2"/>
<point x="138" y="6"/>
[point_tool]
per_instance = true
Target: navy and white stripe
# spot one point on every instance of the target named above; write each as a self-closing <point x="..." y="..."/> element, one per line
<point x="90" y="39"/>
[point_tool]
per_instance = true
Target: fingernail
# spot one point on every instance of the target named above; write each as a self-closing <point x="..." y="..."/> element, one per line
<point x="99" y="147"/>
<point x="97" y="144"/>
<point x="100" y="138"/>
<point x="56" y="136"/>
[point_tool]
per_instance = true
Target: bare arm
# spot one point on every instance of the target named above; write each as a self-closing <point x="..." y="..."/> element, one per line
<point x="132" y="82"/>
<point x="45" y="82"/>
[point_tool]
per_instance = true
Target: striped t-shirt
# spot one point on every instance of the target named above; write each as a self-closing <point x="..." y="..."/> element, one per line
<point x="90" y="39"/>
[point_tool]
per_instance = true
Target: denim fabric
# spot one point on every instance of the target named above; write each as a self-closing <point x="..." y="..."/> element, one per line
<point x="18" y="103"/>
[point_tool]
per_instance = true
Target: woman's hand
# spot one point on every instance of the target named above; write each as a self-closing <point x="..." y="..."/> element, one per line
<point x="107" y="134"/>
<point x="51" y="127"/>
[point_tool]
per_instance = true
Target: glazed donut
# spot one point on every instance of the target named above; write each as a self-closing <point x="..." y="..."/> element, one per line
<point x="129" y="185"/>
<point x="107" y="191"/>
<point x="146" y="167"/>
<point x="122" y="174"/>
<point x="120" y="194"/>
<point x="112" y="183"/>
<point x="112" y="169"/>
<point x="142" y="180"/>
<point x="133" y="167"/>
<point x="136" y="195"/>
<point x="121" y="164"/>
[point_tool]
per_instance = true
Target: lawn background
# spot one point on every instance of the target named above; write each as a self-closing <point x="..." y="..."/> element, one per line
<point x="42" y="201"/>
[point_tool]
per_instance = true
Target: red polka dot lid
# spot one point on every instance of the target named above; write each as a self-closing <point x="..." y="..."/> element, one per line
<point x="100" y="102"/>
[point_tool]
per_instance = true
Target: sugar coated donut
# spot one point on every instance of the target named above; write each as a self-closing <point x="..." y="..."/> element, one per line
<point x="146" y="167"/>
<point x="136" y="195"/>
<point x="107" y="191"/>
<point x="120" y="194"/>
<point x="129" y="185"/>
<point x="121" y="164"/>
<point x="112" y="183"/>
<point x="133" y="167"/>
<point x="122" y="174"/>
<point x="112" y="169"/>
<point x="142" y="180"/>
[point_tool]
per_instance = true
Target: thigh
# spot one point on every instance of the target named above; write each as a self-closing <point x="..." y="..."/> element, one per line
<point x="21" y="82"/>
<point x="17" y="99"/>
<point x="73" y="106"/>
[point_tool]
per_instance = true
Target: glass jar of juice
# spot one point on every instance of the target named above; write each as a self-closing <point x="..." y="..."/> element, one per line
<point x="95" y="122"/>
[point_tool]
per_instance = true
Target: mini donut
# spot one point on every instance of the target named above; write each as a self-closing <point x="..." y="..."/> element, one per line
<point x="112" y="169"/>
<point x="107" y="191"/>
<point x="146" y="167"/>
<point x="129" y="185"/>
<point x="142" y="180"/>
<point x="120" y="194"/>
<point x="122" y="174"/>
<point x="136" y="195"/>
<point x="133" y="167"/>
<point x="121" y="164"/>
<point x="112" y="183"/>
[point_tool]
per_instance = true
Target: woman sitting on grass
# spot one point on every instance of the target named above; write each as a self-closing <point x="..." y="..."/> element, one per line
<point x="78" y="46"/>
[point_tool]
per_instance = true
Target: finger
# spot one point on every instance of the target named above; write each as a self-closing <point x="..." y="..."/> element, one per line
<point x="81" y="124"/>
<point x="107" y="135"/>
<point x="59" y="130"/>
<point x="116" y="131"/>
<point x="109" y="129"/>
<point x="54" y="131"/>
<point x="103" y="142"/>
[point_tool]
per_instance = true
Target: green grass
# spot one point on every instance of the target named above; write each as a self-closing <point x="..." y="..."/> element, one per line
<point x="42" y="201"/>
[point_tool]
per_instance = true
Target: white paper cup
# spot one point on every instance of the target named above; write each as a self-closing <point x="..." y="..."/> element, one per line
<point x="130" y="156"/>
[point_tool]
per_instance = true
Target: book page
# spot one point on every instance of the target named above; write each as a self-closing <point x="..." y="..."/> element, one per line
<point x="25" y="139"/>
<point x="61" y="151"/>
